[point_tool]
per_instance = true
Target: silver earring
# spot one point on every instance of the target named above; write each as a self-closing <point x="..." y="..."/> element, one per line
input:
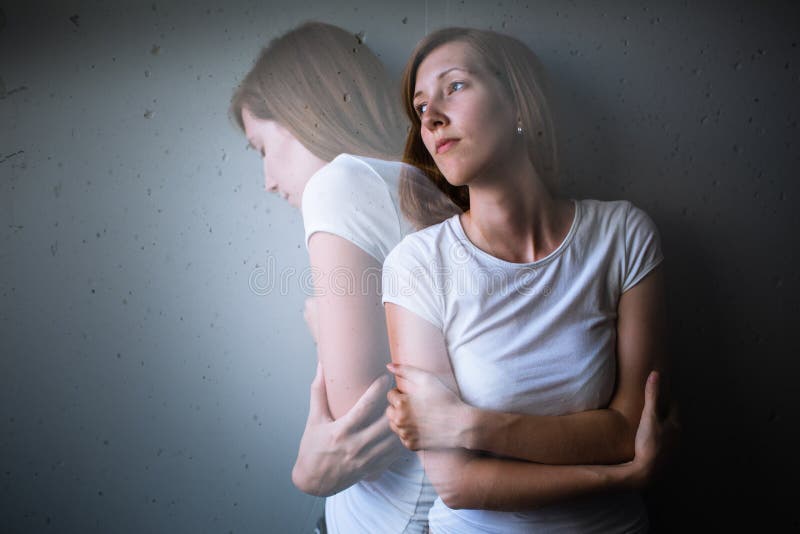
<point x="519" y="130"/>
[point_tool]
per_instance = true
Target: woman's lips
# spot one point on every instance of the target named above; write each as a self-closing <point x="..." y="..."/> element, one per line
<point x="446" y="145"/>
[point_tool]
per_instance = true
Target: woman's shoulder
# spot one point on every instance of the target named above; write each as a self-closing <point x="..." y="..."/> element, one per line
<point x="346" y="179"/>
<point x="366" y="166"/>
<point x="591" y="207"/>
<point x="611" y="213"/>
<point x="617" y="225"/>
<point x="424" y="245"/>
<point x="343" y="168"/>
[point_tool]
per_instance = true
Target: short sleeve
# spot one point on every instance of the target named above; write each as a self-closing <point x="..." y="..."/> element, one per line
<point x="408" y="281"/>
<point x="642" y="247"/>
<point x="349" y="199"/>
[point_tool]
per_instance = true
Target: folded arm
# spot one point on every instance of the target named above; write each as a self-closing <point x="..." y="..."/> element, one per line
<point x="603" y="436"/>
<point x="466" y="479"/>
<point x="352" y="350"/>
<point x="334" y="454"/>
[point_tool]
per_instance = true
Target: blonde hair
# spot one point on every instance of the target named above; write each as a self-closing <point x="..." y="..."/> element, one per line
<point x="328" y="89"/>
<point x="522" y="77"/>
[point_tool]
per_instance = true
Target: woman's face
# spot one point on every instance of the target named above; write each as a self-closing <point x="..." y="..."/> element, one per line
<point x="468" y="124"/>
<point x="287" y="163"/>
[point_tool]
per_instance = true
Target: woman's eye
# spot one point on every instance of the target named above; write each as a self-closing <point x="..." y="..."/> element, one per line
<point x="456" y="86"/>
<point x="421" y="108"/>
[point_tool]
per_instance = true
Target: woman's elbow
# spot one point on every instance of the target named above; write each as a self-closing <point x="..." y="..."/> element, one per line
<point x="626" y="446"/>
<point x="305" y="482"/>
<point x="455" y="501"/>
<point x="300" y="479"/>
<point x="452" y="478"/>
<point x="456" y="497"/>
<point x="627" y="450"/>
<point x="621" y="443"/>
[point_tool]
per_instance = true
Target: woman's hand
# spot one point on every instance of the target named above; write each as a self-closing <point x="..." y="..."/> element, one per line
<point x="312" y="318"/>
<point x="335" y="454"/>
<point x="426" y="414"/>
<point x="656" y="438"/>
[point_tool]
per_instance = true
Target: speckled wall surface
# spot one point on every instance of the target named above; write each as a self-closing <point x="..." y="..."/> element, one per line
<point x="148" y="383"/>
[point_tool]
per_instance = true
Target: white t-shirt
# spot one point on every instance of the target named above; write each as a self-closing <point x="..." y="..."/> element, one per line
<point x="356" y="198"/>
<point x="536" y="338"/>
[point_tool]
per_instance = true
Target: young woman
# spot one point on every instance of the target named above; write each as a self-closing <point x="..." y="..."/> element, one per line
<point x="524" y="329"/>
<point x="319" y="108"/>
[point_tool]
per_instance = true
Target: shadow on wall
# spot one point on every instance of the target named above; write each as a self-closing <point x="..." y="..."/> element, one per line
<point x="735" y="434"/>
<point x="721" y="464"/>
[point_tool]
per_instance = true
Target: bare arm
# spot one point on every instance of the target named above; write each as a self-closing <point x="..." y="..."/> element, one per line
<point x="352" y="350"/>
<point x="352" y="344"/>
<point x="464" y="479"/>
<point x="333" y="455"/>
<point x="603" y="436"/>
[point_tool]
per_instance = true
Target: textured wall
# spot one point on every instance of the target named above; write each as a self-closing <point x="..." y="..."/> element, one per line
<point x="145" y="386"/>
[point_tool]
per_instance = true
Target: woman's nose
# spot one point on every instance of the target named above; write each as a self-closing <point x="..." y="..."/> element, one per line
<point x="434" y="116"/>
<point x="270" y="184"/>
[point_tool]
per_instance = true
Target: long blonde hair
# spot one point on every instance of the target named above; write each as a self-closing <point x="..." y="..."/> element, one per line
<point x="522" y="77"/>
<point x="328" y="89"/>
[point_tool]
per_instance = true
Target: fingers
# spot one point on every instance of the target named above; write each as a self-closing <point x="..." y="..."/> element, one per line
<point x="651" y="389"/>
<point x="399" y="422"/>
<point x="649" y="419"/>
<point x="653" y="401"/>
<point x="395" y="397"/>
<point x="397" y="411"/>
<point x="318" y="410"/>
<point x="380" y="454"/>
<point x="364" y="410"/>
<point x="412" y="374"/>
<point x="384" y="446"/>
<point x="413" y="380"/>
<point x="377" y="431"/>
<point x="408" y="437"/>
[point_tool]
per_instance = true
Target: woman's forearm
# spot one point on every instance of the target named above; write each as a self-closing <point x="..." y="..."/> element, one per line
<point x="592" y="437"/>
<point x="468" y="480"/>
<point x="429" y="414"/>
<point x="475" y="482"/>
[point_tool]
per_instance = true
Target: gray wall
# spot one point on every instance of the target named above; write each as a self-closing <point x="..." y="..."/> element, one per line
<point x="146" y="386"/>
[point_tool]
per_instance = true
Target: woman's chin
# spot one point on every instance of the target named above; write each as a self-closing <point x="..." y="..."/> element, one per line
<point x="457" y="179"/>
<point x="456" y="173"/>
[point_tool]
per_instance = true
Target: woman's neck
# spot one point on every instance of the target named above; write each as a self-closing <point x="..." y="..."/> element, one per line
<point x="515" y="218"/>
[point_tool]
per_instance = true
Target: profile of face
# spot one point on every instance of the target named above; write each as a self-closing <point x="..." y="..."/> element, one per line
<point x="468" y="122"/>
<point x="287" y="163"/>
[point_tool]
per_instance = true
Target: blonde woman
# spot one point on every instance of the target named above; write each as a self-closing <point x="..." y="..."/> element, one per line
<point x="524" y="329"/>
<point x="320" y="110"/>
